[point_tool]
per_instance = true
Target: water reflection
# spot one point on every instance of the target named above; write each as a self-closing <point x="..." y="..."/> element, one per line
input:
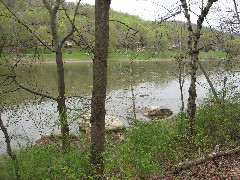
<point x="155" y="84"/>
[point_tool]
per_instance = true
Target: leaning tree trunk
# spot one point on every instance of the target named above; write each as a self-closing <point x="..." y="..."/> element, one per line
<point x="99" y="84"/>
<point x="11" y="154"/>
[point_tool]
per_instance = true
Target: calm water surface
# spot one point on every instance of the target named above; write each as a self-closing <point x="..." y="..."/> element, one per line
<point x="155" y="84"/>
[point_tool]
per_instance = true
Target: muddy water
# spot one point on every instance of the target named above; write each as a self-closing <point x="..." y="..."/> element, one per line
<point x="154" y="84"/>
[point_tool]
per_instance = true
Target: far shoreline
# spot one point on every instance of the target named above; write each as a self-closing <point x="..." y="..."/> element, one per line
<point x="72" y="61"/>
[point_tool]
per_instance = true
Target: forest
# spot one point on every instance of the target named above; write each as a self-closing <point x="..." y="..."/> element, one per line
<point x="87" y="92"/>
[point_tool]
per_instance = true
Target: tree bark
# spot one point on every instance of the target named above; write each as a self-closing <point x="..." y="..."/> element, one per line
<point x="193" y="39"/>
<point x="99" y="84"/>
<point x="1" y="49"/>
<point x="2" y="39"/>
<point x="181" y="67"/>
<point x="9" y="148"/>
<point x="60" y="70"/>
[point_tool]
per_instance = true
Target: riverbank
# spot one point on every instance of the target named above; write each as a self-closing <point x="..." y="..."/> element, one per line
<point x="68" y="61"/>
<point x="151" y="150"/>
<point x="118" y="56"/>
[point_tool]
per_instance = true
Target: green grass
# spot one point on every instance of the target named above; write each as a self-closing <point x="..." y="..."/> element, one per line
<point x="212" y="55"/>
<point x="123" y="55"/>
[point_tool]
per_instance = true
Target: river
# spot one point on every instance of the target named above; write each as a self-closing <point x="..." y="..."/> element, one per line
<point x="155" y="84"/>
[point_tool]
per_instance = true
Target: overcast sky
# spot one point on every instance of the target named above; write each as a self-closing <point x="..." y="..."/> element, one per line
<point x="156" y="9"/>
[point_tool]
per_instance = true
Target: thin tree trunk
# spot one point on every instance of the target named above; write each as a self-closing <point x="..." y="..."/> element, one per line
<point x="61" y="87"/>
<point x="193" y="39"/>
<point x="2" y="39"/>
<point x="132" y="91"/>
<point x="60" y="70"/>
<point x="192" y="93"/>
<point x="209" y="82"/>
<point x="9" y="148"/>
<point x="181" y="79"/>
<point x="99" y="85"/>
<point x="1" y="49"/>
<point x="236" y="11"/>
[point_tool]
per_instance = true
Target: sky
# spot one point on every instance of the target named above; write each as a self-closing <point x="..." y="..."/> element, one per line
<point x="146" y="9"/>
<point x="157" y="9"/>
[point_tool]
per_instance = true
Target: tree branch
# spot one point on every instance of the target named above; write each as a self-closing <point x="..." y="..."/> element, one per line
<point x="136" y="31"/>
<point x="188" y="164"/>
<point x="29" y="90"/>
<point x="201" y="18"/>
<point x="56" y="6"/>
<point x="76" y="29"/>
<point x="236" y="11"/>
<point x="35" y="92"/>
<point x="47" y="5"/>
<point x="71" y="21"/>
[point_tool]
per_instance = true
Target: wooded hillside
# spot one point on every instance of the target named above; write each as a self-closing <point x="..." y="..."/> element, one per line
<point x="127" y="32"/>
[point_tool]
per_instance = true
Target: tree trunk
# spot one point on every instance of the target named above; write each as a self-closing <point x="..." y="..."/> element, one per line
<point x="60" y="70"/>
<point x="181" y="68"/>
<point x="9" y="148"/>
<point x="192" y="92"/>
<point x="209" y="82"/>
<point x="1" y="49"/>
<point x="99" y="84"/>
<point x="193" y="39"/>
<point x="61" y="102"/>
<point x="133" y="94"/>
<point x="61" y="87"/>
<point x="2" y="39"/>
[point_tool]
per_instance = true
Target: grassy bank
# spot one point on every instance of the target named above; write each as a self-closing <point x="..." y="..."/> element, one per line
<point x="148" y="149"/>
<point x="123" y="55"/>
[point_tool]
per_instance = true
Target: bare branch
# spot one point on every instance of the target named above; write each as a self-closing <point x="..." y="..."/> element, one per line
<point x="13" y="77"/>
<point x="201" y="18"/>
<point x="35" y="92"/>
<point x="76" y="29"/>
<point x="71" y="21"/>
<point x="236" y="11"/>
<point x="129" y="28"/>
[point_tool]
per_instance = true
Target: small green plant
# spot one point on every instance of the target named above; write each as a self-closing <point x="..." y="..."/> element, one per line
<point x="147" y="148"/>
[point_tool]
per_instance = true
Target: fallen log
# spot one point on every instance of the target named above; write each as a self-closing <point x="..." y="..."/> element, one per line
<point x="188" y="164"/>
